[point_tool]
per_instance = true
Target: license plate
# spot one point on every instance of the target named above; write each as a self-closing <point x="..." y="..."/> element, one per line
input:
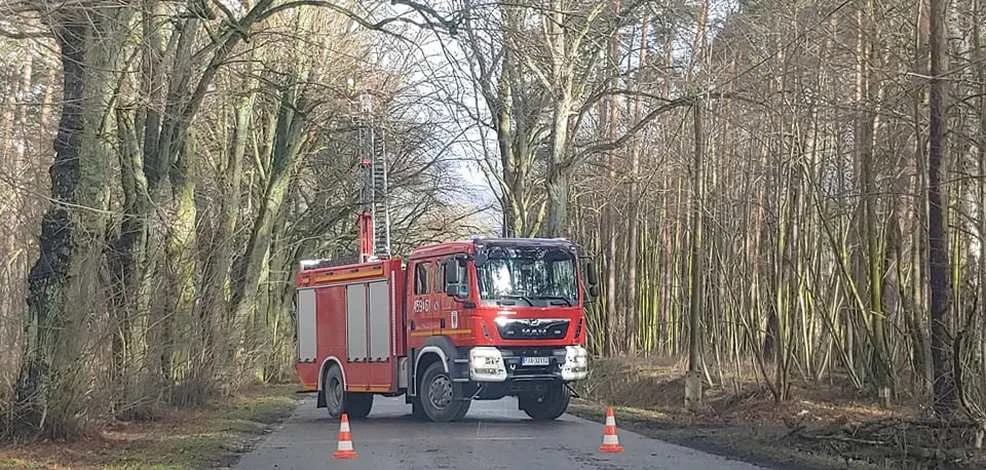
<point x="535" y="361"/>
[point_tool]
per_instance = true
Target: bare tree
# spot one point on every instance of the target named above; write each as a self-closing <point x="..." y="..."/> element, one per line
<point x="940" y="288"/>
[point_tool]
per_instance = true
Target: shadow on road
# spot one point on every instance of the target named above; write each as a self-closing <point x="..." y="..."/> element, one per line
<point x="468" y="420"/>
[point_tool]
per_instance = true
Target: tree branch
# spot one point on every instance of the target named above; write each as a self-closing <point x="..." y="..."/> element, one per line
<point x="620" y="141"/>
<point x="25" y="34"/>
<point x="424" y="10"/>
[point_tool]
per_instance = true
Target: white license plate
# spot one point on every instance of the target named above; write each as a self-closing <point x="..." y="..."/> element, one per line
<point x="535" y="361"/>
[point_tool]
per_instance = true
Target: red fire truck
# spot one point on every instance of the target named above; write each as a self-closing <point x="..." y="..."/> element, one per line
<point x="459" y="321"/>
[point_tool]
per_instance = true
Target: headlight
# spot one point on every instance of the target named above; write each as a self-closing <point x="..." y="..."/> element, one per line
<point x="486" y="365"/>
<point x="576" y="365"/>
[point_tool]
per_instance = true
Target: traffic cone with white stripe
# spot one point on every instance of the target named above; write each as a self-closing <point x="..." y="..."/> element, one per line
<point x="611" y="443"/>
<point x="345" y="448"/>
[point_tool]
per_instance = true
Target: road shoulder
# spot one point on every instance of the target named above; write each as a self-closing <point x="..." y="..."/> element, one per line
<point x="210" y="436"/>
<point x="764" y="446"/>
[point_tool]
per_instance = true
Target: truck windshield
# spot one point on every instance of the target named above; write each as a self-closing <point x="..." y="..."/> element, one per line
<point x="535" y="277"/>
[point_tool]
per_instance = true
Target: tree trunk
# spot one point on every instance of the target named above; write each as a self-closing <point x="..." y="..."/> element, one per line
<point x="49" y="390"/>
<point x="557" y="181"/>
<point x="693" y="393"/>
<point x="633" y="308"/>
<point x="181" y="262"/>
<point x="126" y="262"/>
<point x="219" y="259"/>
<point x="49" y="278"/>
<point x="938" y="258"/>
<point x="291" y="122"/>
<point x="609" y="115"/>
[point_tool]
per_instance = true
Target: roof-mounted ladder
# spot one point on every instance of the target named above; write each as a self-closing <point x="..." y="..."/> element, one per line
<point x="374" y="217"/>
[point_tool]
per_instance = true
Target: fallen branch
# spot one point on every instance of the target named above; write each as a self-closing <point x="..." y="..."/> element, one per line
<point x="854" y="440"/>
<point x="924" y="453"/>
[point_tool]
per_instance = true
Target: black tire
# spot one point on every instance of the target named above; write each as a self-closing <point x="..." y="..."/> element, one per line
<point x="463" y="410"/>
<point x="335" y="391"/>
<point x="358" y="405"/>
<point x="435" y="393"/>
<point x="549" y="406"/>
<point x="338" y="400"/>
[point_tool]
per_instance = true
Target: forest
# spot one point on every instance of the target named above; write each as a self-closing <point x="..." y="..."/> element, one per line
<point x="791" y="191"/>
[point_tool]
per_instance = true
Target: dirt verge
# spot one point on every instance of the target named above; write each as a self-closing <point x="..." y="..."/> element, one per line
<point x="208" y="437"/>
<point x="824" y="426"/>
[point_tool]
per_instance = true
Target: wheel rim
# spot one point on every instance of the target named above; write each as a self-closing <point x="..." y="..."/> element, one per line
<point x="334" y="397"/>
<point x="440" y="392"/>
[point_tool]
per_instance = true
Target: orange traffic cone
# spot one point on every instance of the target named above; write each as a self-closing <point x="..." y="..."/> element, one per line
<point x="611" y="443"/>
<point x="345" y="448"/>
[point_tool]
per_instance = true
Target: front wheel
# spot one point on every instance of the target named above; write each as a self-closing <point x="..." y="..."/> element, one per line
<point x="462" y="410"/>
<point x="547" y="406"/>
<point x="436" y="397"/>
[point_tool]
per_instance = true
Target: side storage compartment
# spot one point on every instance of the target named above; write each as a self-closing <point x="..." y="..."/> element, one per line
<point x="369" y="337"/>
<point x="307" y="326"/>
<point x="378" y="306"/>
<point x="356" y="331"/>
<point x="306" y="323"/>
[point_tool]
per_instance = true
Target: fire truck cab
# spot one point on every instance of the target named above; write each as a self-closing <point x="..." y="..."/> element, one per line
<point x="459" y="321"/>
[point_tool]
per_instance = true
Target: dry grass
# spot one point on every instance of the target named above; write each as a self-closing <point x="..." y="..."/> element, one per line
<point x="209" y="436"/>
<point x="824" y="425"/>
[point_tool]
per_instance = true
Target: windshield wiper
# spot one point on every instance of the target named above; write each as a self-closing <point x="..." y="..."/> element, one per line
<point x="556" y="297"/>
<point x="521" y="297"/>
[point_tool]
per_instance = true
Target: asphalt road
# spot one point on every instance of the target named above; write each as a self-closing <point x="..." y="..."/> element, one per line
<point x="494" y="435"/>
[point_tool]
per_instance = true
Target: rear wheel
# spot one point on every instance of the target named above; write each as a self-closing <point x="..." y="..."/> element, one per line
<point x="334" y="391"/>
<point x="339" y="401"/>
<point x="547" y="406"/>
<point x="436" y="398"/>
<point x="358" y="405"/>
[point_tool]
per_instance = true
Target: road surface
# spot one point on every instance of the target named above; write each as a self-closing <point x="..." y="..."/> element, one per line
<point x="494" y="435"/>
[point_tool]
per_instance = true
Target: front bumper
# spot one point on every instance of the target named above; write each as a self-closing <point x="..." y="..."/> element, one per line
<point x="489" y="364"/>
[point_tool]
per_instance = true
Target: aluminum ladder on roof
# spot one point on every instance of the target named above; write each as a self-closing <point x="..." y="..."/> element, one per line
<point x="374" y="194"/>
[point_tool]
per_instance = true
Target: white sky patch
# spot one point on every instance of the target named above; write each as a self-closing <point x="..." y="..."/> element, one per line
<point x="234" y="6"/>
<point x="431" y="77"/>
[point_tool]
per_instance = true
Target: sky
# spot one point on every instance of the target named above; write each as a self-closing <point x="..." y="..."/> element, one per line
<point x="463" y="138"/>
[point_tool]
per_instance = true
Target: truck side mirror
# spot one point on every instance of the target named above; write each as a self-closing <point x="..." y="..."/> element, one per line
<point x="594" y="291"/>
<point x="453" y="276"/>
<point x="591" y="277"/>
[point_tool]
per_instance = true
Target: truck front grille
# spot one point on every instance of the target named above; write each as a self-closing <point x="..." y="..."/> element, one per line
<point x="532" y="328"/>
